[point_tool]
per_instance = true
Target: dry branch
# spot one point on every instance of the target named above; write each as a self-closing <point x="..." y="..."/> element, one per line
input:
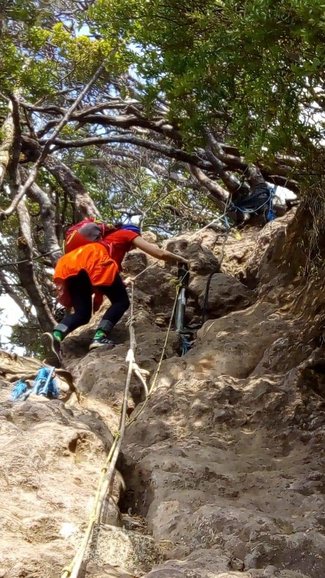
<point x="7" y="131"/>
<point x="22" y="189"/>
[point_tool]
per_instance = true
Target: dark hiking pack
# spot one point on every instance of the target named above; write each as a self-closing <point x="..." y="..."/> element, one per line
<point x="259" y="202"/>
<point x="87" y="231"/>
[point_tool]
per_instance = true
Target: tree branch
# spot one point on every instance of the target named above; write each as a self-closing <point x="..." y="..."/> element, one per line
<point x="184" y="213"/>
<point x="5" y="147"/>
<point x="218" y="193"/>
<point x="27" y="273"/>
<point x="74" y="188"/>
<point x="123" y="121"/>
<point x="233" y="184"/>
<point x="22" y="189"/>
<point x="166" y="150"/>
<point x="16" y="144"/>
<point x="220" y="150"/>
<point x="47" y="213"/>
<point x="9" y="289"/>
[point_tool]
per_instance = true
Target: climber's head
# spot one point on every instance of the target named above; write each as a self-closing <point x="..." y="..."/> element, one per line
<point x="131" y="227"/>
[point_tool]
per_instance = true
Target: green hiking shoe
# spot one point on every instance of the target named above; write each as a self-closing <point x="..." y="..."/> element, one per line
<point x="101" y="340"/>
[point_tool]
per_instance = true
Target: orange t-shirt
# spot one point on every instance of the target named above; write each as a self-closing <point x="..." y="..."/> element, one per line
<point x="92" y="258"/>
<point x="119" y="243"/>
<point x="101" y="260"/>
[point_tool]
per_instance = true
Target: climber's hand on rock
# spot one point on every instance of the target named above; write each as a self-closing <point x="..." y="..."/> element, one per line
<point x="182" y="260"/>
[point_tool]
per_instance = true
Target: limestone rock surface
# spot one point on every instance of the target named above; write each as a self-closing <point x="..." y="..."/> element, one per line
<point x="219" y="294"/>
<point x="222" y="468"/>
<point x="50" y="456"/>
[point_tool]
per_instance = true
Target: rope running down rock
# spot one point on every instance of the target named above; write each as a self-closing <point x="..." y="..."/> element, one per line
<point x="108" y="469"/>
<point x="107" y="472"/>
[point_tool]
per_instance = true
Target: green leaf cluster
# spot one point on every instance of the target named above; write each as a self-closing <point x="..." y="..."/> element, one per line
<point x="256" y="61"/>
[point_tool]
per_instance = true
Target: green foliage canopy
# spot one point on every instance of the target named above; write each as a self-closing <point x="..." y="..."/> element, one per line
<point x="253" y="68"/>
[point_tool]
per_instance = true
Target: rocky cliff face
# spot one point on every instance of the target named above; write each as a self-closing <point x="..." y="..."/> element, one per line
<point x="222" y="470"/>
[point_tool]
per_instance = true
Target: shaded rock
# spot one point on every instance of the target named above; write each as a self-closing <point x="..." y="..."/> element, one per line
<point x="135" y="262"/>
<point x="312" y="375"/>
<point x="254" y="257"/>
<point x="237" y="253"/>
<point x="220" y="294"/>
<point x="155" y="287"/>
<point x="201" y="259"/>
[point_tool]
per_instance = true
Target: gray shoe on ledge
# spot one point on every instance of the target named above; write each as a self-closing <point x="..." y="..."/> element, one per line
<point x="52" y="350"/>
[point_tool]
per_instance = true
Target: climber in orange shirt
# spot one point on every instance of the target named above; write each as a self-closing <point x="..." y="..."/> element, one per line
<point x="95" y="268"/>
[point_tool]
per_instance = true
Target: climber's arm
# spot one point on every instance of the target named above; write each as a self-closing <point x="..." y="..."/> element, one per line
<point x="156" y="251"/>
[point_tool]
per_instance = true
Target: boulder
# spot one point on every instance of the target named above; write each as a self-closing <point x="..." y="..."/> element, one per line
<point x="219" y="294"/>
<point x="221" y="470"/>
<point x="201" y="259"/>
<point x="51" y="457"/>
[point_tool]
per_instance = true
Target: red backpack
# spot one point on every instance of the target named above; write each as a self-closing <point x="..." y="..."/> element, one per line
<point x="87" y="231"/>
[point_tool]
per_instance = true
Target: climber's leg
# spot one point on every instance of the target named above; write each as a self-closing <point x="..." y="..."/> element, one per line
<point x="120" y="302"/>
<point x="80" y="291"/>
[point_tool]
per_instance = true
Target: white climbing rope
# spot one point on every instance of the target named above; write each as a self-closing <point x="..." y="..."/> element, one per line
<point x="136" y="414"/>
<point x="108" y="470"/>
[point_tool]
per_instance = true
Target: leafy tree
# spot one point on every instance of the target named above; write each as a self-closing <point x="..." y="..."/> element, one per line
<point x="186" y="106"/>
<point x="254" y="69"/>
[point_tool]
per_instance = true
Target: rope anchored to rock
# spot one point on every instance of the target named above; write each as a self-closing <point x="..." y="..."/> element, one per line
<point x="108" y="470"/>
